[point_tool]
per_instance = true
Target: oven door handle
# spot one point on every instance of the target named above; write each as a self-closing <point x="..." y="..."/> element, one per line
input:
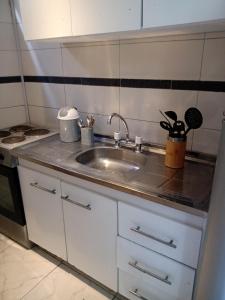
<point x="37" y="186"/>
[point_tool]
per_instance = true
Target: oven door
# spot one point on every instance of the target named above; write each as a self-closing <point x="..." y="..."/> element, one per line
<point x="11" y="205"/>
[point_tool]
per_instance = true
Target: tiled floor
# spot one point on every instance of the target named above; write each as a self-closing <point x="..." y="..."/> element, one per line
<point x="35" y="275"/>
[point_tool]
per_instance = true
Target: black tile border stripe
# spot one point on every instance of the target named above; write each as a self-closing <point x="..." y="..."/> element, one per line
<point x="191" y="85"/>
<point x="10" y="79"/>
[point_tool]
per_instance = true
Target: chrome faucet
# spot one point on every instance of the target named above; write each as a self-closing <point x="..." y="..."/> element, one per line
<point x="124" y="122"/>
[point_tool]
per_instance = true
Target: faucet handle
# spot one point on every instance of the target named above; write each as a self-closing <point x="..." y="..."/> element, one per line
<point x="138" y="144"/>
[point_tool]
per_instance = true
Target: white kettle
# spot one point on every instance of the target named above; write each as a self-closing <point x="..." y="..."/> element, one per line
<point x="69" y="129"/>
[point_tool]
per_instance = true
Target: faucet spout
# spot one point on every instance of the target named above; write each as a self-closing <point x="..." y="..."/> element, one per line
<point x="124" y="122"/>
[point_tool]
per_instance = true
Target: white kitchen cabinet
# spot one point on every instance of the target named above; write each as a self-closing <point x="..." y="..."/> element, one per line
<point x="164" y="278"/>
<point x="163" y="13"/>
<point x="43" y="19"/>
<point x="104" y="16"/>
<point x="43" y="210"/>
<point x="164" y="235"/>
<point x="91" y="231"/>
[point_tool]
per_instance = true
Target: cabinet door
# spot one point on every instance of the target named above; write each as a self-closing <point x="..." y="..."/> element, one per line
<point x="91" y="229"/>
<point x="160" y="13"/>
<point x="102" y="16"/>
<point x="43" y="19"/>
<point x="43" y="210"/>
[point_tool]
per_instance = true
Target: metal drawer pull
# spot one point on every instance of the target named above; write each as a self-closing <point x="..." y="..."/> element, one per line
<point x="135" y="293"/>
<point x="165" y="280"/>
<point x="169" y="243"/>
<point x="37" y="186"/>
<point x="66" y="198"/>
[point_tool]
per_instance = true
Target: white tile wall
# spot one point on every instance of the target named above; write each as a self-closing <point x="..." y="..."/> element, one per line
<point x="44" y="94"/>
<point x="46" y="62"/>
<point x="43" y="116"/>
<point x="93" y="99"/>
<point x="92" y="61"/>
<point x="12" y="108"/>
<point x="214" y="60"/>
<point x="162" y="60"/>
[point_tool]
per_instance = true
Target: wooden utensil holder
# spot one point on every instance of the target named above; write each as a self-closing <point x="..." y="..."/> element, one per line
<point x="175" y="152"/>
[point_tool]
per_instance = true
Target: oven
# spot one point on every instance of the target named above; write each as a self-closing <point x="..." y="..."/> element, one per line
<point x="11" y="205"/>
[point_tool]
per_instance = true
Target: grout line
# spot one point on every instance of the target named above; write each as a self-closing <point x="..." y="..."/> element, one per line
<point x="40" y="281"/>
<point x="14" y="106"/>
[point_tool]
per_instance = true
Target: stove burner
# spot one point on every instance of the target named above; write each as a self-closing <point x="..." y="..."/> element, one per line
<point x="4" y="133"/>
<point x="37" y="131"/>
<point x="20" y="128"/>
<point x="13" y="139"/>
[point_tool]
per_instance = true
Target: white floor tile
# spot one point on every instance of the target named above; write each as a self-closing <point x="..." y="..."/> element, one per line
<point x="21" y="270"/>
<point x="63" y="283"/>
<point x="4" y="242"/>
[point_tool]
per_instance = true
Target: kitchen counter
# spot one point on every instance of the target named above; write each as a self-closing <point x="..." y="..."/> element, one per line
<point x="186" y="189"/>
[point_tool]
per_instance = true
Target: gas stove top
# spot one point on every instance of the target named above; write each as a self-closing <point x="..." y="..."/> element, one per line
<point x="17" y="136"/>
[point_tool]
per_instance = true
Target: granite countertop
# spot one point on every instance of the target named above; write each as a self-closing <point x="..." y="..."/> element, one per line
<point x="187" y="189"/>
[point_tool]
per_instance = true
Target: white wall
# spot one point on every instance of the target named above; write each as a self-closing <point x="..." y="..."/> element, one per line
<point x="189" y="57"/>
<point x="12" y="109"/>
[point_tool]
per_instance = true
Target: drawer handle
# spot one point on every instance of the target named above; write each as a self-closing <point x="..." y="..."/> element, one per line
<point x="169" y="243"/>
<point x="135" y="265"/>
<point x="37" y="186"/>
<point x="66" y="198"/>
<point x="137" y="294"/>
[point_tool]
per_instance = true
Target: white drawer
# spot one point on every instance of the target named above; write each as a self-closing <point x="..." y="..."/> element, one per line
<point x="164" y="278"/>
<point x="171" y="238"/>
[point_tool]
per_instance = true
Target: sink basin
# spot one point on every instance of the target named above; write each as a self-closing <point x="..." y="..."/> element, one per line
<point x="111" y="159"/>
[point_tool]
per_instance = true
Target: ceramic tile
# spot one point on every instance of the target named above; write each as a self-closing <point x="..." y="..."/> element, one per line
<point x="93" y="99"/>
<point x="12" y="116"/>
<point x="213" y="67"/>
<point x="212" y="106"/>
<point x="21" y="270"/>
<point x="206" y="141"/>
<point x="4" y="242"/>
<point x="9" y="63"/>
<point x="42" y="116"/>
<point x="11" y="94"/>
<point x="5" y="15"/>
<point x="17" y="11"/>
<point x="162" y="60"/>
<point x="34" y="45"/>
<point x="144" y="104"/>
<point x="42" y="62"/>
<point x="94" y="61"/>
<point x="213" y="35"/>
<point x="63" y="283"/>
<point x="7" y="38"/>
<point x="45" y="94"/>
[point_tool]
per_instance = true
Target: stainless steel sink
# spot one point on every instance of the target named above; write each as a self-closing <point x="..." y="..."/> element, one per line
<point x="111" y="159"/>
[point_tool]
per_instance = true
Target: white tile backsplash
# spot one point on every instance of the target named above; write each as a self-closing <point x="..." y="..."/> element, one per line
<point x="12" y="116"/>
<point x="45" y="94"/>
<point x="144" y="104"/>
<point x="46" y="62"/>
<point x="93" y="99"/>
<point x="213" y="67"/>
<point x="9" y="65"/>
<point x="206" y="141"/>
<point x="162" y="60"/>
<point x="5" y="13"/>
<point x="93" y="61"/>
<point x="43" y="116"/>
<point x="212" y="106"/>
<point x="7" y="38"/>
<point x="11" y="94"/>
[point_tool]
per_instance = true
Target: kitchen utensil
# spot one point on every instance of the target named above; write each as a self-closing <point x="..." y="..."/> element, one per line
<point x="87" y="136"/>
<point x="69" y="130"/>
<point x="80" y="123"/>
<point x="167" y="120"/>
<point x="193" y="119"/>
<point x="172" y="115"/>
<point x="90" y="121"/>
<point x="178" y="128"/>
<point x="165" y="125"/>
